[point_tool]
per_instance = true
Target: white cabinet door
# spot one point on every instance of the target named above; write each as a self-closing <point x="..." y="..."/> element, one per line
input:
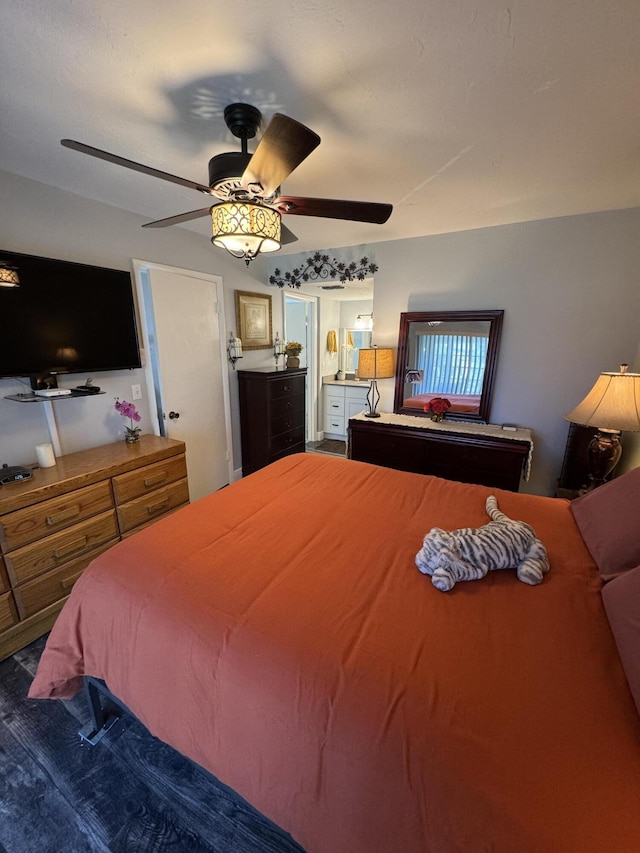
<point x="356" y="401"/>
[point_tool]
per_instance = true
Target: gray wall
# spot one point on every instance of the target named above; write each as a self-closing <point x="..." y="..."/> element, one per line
<point x="569" y="289"/>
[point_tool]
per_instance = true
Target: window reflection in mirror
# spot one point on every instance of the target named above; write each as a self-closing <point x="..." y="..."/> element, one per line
<point x="447" y="354"/>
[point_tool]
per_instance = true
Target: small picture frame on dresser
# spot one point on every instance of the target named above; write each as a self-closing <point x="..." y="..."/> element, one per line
<point x="253" y="316"/>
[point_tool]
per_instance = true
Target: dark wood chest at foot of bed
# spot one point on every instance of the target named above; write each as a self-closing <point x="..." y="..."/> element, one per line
<point x="489" y="460"/>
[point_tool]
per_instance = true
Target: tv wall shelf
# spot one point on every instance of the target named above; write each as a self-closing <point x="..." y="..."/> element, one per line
<point x="35" y="398"/>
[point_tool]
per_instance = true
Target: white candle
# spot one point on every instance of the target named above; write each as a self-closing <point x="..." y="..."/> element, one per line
<point x="45" y="455"/>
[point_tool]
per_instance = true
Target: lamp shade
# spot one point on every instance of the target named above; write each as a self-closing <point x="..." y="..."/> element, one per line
<point x="245" y="229"/>
<point x="375" y="363"/>
<point x="613" y="403"/>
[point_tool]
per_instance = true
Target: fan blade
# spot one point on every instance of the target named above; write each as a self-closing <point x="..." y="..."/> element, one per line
<point x="284" y="145"/>
<point x="180" y="217"/>
<point x="286" y="235"/>
<point x="331" y="208"/>
<point x="131" y="164"/>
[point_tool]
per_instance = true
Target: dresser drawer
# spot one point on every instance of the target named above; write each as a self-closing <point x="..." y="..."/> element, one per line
<point x="127" y="487"/>
<point x="334" y="406"/>
<point x="26" y="525"/>
<point x="389" y="449"/>
<point x="334" y="424"/>
<point x="59" y="548"/>
<point x="4" y="580"/>
<point x="280" y="443"/>
<point x="285" y="387"/>
<point x="284" y="424"/>
<point x="8" y="614"/>
<point x="39" y="593"/>
<point x="286" y="406"/>
<point x="152" y="506"/>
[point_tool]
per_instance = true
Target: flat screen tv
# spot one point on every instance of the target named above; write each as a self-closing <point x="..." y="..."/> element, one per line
<point x="65" y="318"/>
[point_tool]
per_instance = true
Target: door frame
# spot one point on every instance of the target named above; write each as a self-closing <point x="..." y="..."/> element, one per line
<point x="141" y="269"/>
<point x="312" y="359"/>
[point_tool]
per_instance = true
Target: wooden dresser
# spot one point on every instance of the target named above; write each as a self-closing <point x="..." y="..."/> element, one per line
<point x="456" y="451"/>
<point x="272" y="415"/>
<point x="53" y="525"/>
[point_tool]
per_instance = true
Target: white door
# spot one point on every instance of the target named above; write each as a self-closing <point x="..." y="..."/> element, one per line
<point x="300" y="325"/>
<point x="183" y="336"/>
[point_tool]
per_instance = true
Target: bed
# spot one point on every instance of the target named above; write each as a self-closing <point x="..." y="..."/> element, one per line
<point x="461" y="403"/>
<point x="279" y="634"/>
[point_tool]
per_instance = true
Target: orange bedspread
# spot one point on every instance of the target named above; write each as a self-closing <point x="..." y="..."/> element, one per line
<point x="279" y="634"/>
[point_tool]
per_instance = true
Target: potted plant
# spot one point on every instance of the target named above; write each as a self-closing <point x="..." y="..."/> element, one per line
<point x="292" y="351"/>
<point x="128" y="410"/>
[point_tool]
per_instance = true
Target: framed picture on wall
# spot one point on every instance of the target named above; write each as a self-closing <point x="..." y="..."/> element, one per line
<point x="253" y="315"/>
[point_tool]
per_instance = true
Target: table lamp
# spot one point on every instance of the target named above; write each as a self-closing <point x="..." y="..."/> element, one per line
<point x="612" y="405"/>
<point x="375" y="363"/>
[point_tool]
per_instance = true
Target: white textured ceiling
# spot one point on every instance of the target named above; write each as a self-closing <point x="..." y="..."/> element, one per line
<point x="461" y="114"/>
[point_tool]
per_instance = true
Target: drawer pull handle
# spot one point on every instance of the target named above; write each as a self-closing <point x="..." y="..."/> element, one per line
<point x="65" y="515"/>
<point x="155" y="480"/>
<point x="76" y="545"/>
<point x="153" y="508"/>
<point x="67" y="583"/>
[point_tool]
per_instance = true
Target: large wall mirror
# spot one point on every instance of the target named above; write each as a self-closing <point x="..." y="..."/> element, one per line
<point x="450" y="354"/>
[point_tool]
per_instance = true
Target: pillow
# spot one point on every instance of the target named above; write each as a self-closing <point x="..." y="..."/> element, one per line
<point x="621" y="599"/>
<point x="609" y="520"/>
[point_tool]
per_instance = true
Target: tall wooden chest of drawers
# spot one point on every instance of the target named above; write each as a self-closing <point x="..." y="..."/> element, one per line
<point x="53" y="525"/>
<point x="272" y="415"/>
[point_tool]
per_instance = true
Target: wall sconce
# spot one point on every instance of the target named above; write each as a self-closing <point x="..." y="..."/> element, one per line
<point x="234" y="349"/>
<point x="8" y="275"/>
<point x="278" y="348"/>
<point x="245" y="229"/>
<point x="412" y="377"/>
<point x="364" y="322"/>
<point x="612" y="405"/>
<point x="375" y="364"/>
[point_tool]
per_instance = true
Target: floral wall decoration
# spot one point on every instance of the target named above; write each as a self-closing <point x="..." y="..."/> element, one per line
<point x="322" y="267"/>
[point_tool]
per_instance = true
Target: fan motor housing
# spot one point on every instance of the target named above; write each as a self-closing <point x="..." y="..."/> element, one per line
<point x="222" y="167"/>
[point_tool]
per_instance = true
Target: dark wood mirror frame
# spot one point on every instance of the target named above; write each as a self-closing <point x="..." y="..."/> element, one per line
<point x="494" y="318"/>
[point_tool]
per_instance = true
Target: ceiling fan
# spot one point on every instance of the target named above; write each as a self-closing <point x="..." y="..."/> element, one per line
<point x="246" y="216"/>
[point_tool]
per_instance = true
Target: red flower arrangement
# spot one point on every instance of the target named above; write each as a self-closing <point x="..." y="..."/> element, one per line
<point x="437" y="407"/>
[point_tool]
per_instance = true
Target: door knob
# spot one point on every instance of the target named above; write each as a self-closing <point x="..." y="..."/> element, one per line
<point x="174" y="415"/>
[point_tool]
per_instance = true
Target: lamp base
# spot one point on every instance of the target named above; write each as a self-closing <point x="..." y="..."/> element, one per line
<point x="373" y="398"/>
<point x="604" y="453"/>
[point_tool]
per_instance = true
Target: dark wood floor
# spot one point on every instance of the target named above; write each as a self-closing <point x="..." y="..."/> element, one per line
<point x="130" y="793"/>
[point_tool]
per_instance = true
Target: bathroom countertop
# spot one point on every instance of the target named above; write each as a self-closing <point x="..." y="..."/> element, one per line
<point x="354" y="383"/>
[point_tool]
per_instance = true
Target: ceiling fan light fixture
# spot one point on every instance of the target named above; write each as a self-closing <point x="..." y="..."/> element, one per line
<point x="245" y="229"/>
<point x="8" y="275"/>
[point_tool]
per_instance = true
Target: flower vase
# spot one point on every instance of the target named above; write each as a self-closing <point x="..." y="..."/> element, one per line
<point x="132" y="437"/>
<point x="293" y="361"/>
<point x="437" y="417"/>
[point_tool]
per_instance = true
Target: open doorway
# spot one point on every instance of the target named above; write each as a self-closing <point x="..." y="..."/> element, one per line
<point x="300" y="321"/>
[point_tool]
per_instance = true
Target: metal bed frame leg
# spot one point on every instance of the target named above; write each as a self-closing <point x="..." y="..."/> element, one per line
<point x="103" y="716"/>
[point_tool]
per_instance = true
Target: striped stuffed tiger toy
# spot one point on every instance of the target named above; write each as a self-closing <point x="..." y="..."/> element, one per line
<point x="469" y="553"/>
